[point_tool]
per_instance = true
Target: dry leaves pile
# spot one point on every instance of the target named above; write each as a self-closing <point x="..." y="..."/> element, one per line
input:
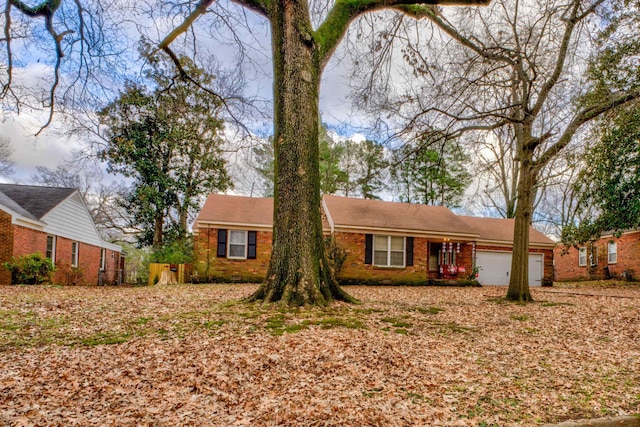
<point x="192" y="355"/>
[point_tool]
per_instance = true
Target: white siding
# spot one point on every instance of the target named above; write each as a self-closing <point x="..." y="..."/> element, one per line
<point x="72" y="220"/>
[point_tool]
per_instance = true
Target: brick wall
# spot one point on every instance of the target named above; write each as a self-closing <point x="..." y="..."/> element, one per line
<point x="354" y="267"/>
<point x="566" y="259"/>
<point x="6" y="246"/>
<point x="27" y="241"/>
<point x="209" y="266"/>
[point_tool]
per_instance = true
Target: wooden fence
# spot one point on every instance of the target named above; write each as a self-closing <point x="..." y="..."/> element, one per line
<point x="181" y="273"/>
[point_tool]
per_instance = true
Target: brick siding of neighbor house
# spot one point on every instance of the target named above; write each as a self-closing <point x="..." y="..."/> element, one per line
<point x="212" y="267"/>
<point x="549" y="272"/>
<point x="6" y="246"/>
<point x="628" y="254"/>
<point x="28" y="241"/>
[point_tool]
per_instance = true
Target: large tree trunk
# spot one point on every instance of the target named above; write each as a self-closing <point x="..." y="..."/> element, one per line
<point x="299" y="272"/>
<point x="519" y="280"/>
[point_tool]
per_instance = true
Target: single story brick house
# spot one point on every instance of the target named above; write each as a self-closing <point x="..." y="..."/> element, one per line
<point x="607" y="257"/>
<point x="55" y="222"/>
<point x="386" y="242"/>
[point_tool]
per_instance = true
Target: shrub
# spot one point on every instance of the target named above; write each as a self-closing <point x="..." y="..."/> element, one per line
<point x="30" y="269"/>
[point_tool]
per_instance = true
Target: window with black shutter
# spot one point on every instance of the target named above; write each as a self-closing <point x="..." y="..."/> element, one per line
<point x="368" y="248"/>
<point x="409" y="250"/>
<point x="222" y="243"/>
<point x="252" y="244"/>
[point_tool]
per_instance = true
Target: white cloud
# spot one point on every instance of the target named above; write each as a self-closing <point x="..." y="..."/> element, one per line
<point x="48" y="149"/>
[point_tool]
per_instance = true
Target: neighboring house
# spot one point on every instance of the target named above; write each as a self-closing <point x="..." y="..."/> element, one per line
<point x="607" y="257"/>
<point x="55" y="223"/>
<point x="385" y="242"/>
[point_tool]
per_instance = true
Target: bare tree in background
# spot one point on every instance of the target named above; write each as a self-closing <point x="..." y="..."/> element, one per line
<point x="517" y="65"/>
<point x="6" y="164"/>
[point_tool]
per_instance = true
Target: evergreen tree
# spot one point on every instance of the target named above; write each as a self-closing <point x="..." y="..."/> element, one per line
<point x="167" y="139"/>
<point x="431" y="171"/>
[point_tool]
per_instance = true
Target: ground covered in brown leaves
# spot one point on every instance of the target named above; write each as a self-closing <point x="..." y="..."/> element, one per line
<point x="193" y="355"/>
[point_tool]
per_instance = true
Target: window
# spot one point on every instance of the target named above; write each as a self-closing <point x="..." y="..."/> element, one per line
<point x="613" y="252"/>
<point x="74" y="254"/>
<point x="388" y="251"/>
<point x="448" y="257"/>
<point x="103" y="258"/>
<point x="237" y="244"/>
<point x="582" y="257"/>
<point x="51" y="248"/>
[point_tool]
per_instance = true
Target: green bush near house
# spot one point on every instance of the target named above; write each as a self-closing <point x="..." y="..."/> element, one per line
<point x="30" y="269"/>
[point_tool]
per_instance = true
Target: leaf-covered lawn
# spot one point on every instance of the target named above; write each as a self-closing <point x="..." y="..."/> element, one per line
<point x="192" y="355"/>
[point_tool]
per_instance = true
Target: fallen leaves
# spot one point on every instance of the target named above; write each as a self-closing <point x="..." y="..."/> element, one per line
<point x="192" y="355"/>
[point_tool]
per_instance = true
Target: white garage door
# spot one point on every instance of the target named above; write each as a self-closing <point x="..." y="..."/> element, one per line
<point x="495" y="268"/>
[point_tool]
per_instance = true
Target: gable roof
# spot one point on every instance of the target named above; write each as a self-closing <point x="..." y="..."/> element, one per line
<point x="36" y="201"/>
<point x="436" y="221"/>
<point x="500" y="230"/>
<point x="236" y="210"/>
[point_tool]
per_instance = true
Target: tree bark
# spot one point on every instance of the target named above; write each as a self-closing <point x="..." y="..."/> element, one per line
<point x="519" y="280"/>
<point x="157" y="230"/>
<point x="299" y="272"/>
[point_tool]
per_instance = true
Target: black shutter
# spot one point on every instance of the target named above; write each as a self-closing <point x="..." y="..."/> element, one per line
<point x="409" y="249"/>
<point x="251" y="248"/>
<point x="368" y="248"/>
<point x="222" y="243"/>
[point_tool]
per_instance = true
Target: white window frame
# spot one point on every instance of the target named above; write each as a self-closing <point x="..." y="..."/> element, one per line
<point x="613" y="245"/>
<point x="103" y="259"/>
<point x="246" y="244"/>
<point x="53" y="248"/>
<point x="75" y="254"/>
<point x="389" y="251"/>
<point x="582" y="256"/>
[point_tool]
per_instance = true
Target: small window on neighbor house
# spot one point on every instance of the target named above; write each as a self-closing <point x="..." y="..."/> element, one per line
<point x="237" y="244"/>
<point x="74" y="254"/>
<point x="103" y="258"/>
<point x="51" y="248"/>
<point x="582" y="257"/>
<point x="613" y="252"/>
<point x="388" y="251"/>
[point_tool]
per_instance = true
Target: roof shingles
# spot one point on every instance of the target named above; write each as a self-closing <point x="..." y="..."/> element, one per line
<point x="36" y="200"/>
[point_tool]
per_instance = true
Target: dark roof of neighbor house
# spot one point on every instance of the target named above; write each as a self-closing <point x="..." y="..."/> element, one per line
<point x="35" y="200"/>
<point x="501" y="230"/>
<point x="224" y="209"/>
<point x="376" y="214"/>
